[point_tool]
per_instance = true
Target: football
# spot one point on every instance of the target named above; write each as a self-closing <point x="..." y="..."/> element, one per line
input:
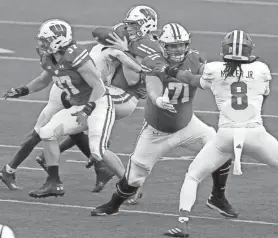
<point x="100" y="34"/>
<point x="6" y="232"/>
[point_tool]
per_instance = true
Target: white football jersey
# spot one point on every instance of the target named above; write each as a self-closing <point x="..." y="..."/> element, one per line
<point x="104" y="63"/>
<point x="239" y="101"/>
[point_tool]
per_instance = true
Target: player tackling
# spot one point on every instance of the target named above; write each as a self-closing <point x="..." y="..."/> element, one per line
<point x="169" y="121"/>
<point x="240" y="85"/>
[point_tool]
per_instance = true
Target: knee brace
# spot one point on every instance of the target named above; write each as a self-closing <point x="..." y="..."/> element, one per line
<point x="124" y="190"/>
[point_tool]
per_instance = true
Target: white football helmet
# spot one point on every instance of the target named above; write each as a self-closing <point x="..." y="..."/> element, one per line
<point x="53" y="35"/>
<point x="175" y="41"/>
<point x="140" y="21"/>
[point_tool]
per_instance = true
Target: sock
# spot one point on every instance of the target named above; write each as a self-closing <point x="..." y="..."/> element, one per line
<point x="117" y="200"/>
<point x="25" y="149"/>
<point x="82" y="142"/>
<point x="53" y="173"/>
<point x="220" y="177"/>
<point x="9" y="169"/>
<point x="188" y="194"/>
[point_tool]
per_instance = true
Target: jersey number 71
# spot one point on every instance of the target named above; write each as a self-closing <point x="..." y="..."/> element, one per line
<point x="178" y="92"/>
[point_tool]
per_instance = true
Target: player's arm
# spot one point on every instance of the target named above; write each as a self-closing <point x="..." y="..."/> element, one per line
<point x="132" y="69"/>
<point x="39" y="83"/>
<point x="126" y="59"/>
<point x="91" y="75"/>
<point x="267" y="78"/>
<point x="202" y="81"/>
<point x="154" y="86"/>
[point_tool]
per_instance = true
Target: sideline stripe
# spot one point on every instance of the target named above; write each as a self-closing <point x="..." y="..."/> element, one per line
<point x="139" y="212"/>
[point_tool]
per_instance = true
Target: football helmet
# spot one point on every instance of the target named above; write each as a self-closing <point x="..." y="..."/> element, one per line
<point x="54" y="35"/>
<point x="140" y="21"/>
<point x="175" y="41"/>
<point x="237" y="45"/>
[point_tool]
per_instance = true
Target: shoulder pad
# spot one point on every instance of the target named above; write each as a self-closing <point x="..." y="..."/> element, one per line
<point x="76" y="55"/>
<point x="144" y="47"/>
<point x="200" y="56"/>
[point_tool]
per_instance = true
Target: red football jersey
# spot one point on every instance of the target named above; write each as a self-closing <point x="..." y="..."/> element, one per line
<point x="66" y="76"/>
<point x="180" y="94"/>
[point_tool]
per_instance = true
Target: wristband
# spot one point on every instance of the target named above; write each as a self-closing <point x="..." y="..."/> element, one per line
<point x="23" y="91"/>
<point x="89" y="107"/>
<point x="172" y="71"/>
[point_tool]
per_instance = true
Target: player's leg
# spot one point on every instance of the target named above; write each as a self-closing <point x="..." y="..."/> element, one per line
<point x="103" y="174"/>
<point x="64" y="145"/>
<point x="61" y="124"/>
<point x="202" y="166"/>
<point x="196" y="135"/>
<point x="124" y="102"/>
<point x="151" y="146"/>
<point x="54" y="105"/>
<point x="100" y="124"/>
<point x="262" y="146"/>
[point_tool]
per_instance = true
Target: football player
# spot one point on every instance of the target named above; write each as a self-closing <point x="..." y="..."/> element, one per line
<point x="57" y="101"/>
<point x="71" y="68"/>
<point x="125" y="84"/>
<point x="240" y="85"/>
<point x="169" y="121"/>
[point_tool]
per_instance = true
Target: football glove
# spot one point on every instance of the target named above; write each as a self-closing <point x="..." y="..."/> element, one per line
<point x="172" y="71"/>
<point x="16" y="92"/>
<point x="81" y="116"/>
<point x="163" y="102"/>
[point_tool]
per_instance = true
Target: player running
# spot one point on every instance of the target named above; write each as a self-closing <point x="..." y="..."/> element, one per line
<point x="124" y="83"/>
<point x="70" y="67"/>
<point x="169" y="121"/>
<point x="240" y="85"/>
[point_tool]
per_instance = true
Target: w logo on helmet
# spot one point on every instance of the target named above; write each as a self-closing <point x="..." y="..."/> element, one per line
<point x="148" y="13"/>
<point x="59" y="30"/>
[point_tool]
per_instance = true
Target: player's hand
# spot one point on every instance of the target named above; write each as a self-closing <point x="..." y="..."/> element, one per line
<point x="118" y="43"/>
<point x="81" y="117"/>
<point x="16" y="92"/>
<point x="164" y="102"/>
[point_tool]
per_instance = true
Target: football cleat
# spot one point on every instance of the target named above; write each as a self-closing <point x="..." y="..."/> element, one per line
<point x="8" y="179"/>
<point x="181" y="230"/>
<point x="104" y="175"/>
<point x="134" y="200"/>
<point x="222" y="205"/>
<point x="49" y="189"/>
<point x="105" y="210"/>
<point x="40" y="159"/>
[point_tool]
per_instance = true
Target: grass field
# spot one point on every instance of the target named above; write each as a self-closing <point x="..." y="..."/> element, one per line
<point x="254" y="193"/>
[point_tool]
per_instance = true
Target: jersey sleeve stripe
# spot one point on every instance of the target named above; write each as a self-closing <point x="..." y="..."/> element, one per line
<point x="146" y="69"/>
<point x="148" y="48"/>
<point x="79" y="56"/>
<point x="146" y="51"/>
<point x="80" y="60"/>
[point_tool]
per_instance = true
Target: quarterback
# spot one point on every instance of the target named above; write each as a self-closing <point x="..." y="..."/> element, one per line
<point x="169" y="121"/>
<point x="240" y="85"/>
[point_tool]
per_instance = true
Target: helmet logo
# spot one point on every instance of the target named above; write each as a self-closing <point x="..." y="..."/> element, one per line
<point x="148" y="13"/>
<point x="59" y="30"/>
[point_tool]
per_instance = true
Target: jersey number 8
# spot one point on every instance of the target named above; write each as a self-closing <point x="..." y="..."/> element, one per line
<point x="239" y="99"/>
<point x="178" y="92"/>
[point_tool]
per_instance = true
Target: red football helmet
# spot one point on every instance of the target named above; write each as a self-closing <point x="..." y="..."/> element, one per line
<point x="237" y="45"/>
